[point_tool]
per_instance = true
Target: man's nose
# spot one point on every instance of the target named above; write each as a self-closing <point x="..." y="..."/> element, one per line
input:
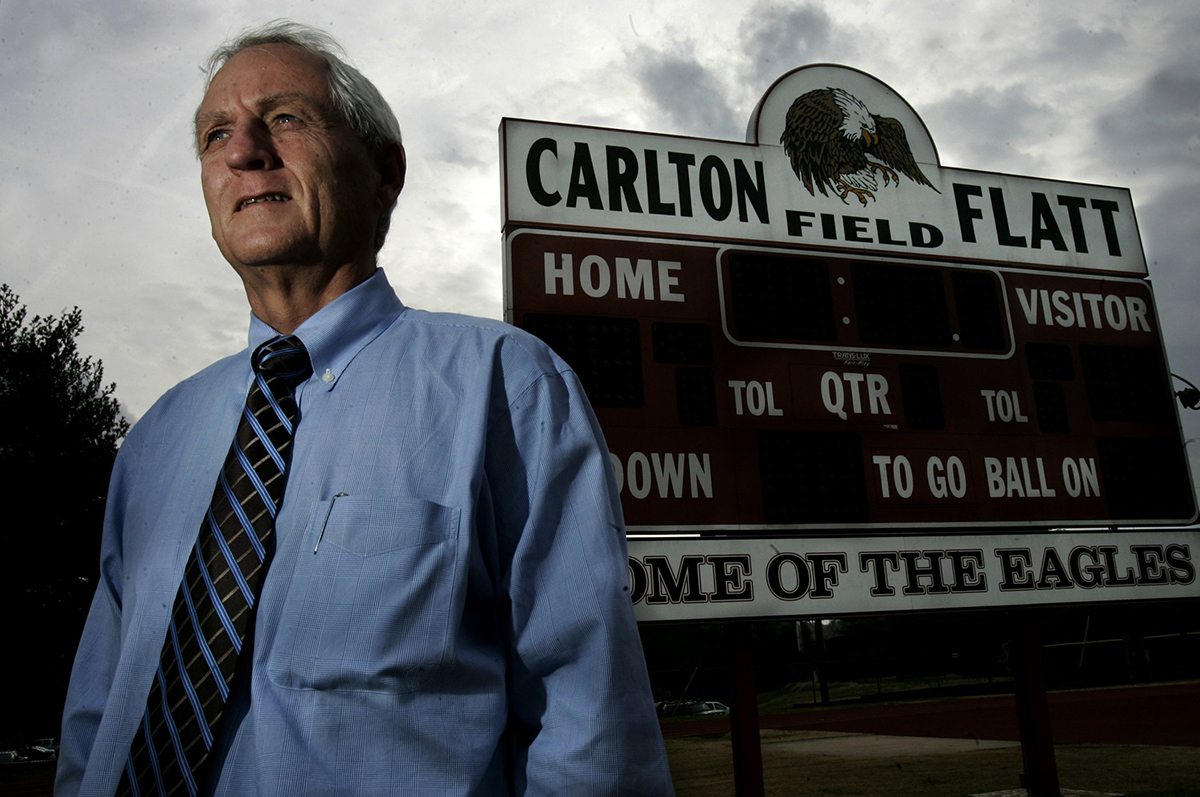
<point x="250" y="147"/>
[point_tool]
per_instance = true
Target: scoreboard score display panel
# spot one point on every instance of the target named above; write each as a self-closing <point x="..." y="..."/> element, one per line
<point x="756" y="390"/>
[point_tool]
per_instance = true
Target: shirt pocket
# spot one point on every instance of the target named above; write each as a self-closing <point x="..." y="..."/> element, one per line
<point x="371" y="608"/>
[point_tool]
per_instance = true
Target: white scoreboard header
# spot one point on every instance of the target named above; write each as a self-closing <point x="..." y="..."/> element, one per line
<point x="784" y="186"/>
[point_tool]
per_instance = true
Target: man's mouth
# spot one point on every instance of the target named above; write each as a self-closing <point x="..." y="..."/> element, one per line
<point x="264" y="198"/>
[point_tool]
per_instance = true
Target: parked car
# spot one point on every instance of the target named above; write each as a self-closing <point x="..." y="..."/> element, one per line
<point x="691" y="708"/>
<point x="670" y="708"/>
<point x="12" y="757"/>
<point x="709" y="708"/>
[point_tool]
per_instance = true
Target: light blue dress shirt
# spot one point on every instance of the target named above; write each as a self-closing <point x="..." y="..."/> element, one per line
<point x="447" y="609"/>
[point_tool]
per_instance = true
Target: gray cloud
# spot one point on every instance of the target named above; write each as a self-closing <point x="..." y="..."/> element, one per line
<point x="691" y="96"/>
<point x="1078" y="44"/>
<point x="55" y="38"/>
<point x="1171" y="240"/>
<point x="1154" y="128"/>
<point x="985" y="127"/>
<point x="777" y="38"/>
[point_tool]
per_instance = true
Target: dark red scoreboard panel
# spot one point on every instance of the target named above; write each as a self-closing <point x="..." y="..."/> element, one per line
<point x="748" y="390"/>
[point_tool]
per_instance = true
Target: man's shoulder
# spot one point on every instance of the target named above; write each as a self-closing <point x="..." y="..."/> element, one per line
<point x="460" y="324"/>
<point x="461" y="333"/>
<point x="508" y="360"/>
<point x="206" y="386"/>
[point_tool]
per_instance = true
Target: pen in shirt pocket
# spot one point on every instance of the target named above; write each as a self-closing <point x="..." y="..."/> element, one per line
<point x="325" y="522"/>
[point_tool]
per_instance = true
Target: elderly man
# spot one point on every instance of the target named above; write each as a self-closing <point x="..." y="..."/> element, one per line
<point x="439" y="603"/>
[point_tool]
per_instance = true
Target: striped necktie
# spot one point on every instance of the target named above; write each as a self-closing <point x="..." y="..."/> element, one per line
<point x="223" y="578"/>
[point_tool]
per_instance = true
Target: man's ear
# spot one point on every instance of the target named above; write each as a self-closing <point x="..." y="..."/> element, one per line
<point x="392" y="167"/>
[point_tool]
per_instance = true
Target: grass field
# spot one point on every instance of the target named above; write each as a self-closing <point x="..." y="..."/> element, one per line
<point x="703" y="767"/>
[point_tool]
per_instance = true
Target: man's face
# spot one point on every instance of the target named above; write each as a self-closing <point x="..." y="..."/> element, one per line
<point x="286" y="181"/>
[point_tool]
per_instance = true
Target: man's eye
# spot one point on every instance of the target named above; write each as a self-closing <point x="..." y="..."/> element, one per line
<point x="285" y="118"/>
<point x="213" y="136"/>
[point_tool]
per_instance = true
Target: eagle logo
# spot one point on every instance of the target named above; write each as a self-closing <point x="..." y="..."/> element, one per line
<point x="833" y="140"/>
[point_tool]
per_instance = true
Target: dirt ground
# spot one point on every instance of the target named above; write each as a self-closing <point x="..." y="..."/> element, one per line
<point x="1134" y="741"/>
<point x="702" y="767"/>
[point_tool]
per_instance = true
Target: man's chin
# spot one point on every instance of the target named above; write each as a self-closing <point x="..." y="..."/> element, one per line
<point x="260" y="257"/>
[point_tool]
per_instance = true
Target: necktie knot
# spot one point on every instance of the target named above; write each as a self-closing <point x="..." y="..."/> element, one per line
<point x="283" y="357"/>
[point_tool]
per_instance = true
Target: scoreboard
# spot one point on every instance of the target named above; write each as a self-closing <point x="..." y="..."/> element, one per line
<point x="757" y="390"/>
<point x="825" y="334"/>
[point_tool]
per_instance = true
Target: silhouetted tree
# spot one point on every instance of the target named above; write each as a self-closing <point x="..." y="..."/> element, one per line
<point x="62" y="426"/>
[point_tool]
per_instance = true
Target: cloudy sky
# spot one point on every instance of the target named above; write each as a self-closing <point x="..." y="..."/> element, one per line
<point x="100" y="204"/>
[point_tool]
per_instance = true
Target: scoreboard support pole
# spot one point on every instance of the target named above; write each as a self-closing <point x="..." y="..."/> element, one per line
<point x="743" y="720"/>
<point x="1040" y="777"/>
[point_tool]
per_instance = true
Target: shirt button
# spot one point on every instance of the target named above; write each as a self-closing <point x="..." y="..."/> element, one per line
<point x="328" y="377"/>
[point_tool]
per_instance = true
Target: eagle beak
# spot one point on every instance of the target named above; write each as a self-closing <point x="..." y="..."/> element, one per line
<point x="870" y="138"/>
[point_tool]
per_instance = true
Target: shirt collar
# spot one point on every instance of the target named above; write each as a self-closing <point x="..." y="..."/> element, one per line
<point x="339" y="330"/>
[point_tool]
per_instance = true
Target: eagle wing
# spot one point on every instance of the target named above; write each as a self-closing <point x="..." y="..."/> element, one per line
<point x="892" y="149"/>
<point x="813" y="140"/>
